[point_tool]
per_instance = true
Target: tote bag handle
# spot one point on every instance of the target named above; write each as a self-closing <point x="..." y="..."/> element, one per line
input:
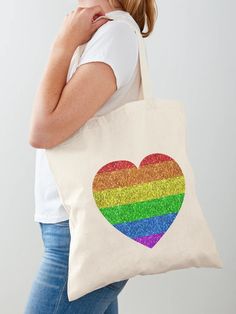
<point x="144" y="69"/>
<point x="145" y="75"/>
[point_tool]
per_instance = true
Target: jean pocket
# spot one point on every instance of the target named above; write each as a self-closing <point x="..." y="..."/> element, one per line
<point x="64" y="223"/>
<point x="118" y="285"/>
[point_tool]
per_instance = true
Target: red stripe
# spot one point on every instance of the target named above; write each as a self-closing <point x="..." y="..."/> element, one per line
<point x="125" y="164"/>
<point x="116" y="165"/>
<point x="154" y="158"/>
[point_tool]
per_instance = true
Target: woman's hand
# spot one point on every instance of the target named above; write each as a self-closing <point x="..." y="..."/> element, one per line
<point x="78" y="27"/>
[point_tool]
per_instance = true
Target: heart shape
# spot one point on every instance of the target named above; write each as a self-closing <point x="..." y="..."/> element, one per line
<point x="143" y="202"/>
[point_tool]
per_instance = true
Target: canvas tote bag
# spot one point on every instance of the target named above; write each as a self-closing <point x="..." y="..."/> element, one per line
<point x="126" y="182"/>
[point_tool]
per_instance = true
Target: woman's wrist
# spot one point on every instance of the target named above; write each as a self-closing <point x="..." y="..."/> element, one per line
<point x="61" y="47"/>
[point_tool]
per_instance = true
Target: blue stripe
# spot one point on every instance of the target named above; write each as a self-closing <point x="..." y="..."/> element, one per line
<point x="147" y="226"/>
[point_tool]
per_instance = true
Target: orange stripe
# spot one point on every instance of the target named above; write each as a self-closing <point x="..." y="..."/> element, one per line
<point x="132" y="176"/>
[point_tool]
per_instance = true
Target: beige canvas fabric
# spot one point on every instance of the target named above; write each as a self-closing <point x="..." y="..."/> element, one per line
<point x="100" y="253"/>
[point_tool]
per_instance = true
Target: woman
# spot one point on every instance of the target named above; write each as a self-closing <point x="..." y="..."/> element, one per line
<point x="106" y="76"/>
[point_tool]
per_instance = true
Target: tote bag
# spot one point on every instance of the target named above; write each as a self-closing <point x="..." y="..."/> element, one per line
<point x="128" y="187"/>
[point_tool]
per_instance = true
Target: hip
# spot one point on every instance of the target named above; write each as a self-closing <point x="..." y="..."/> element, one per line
<point x="49" y="290"/>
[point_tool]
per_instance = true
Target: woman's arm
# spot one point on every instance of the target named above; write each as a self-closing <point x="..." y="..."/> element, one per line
<point x="59" y="108"/>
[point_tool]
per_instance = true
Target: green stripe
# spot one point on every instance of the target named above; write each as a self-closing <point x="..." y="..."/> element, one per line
<point x="141" y="210"/>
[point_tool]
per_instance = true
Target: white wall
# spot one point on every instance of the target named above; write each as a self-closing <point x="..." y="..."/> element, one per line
<point x="192" y="58"/>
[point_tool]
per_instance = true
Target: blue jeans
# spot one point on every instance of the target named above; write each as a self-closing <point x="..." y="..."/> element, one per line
<point x="48" y="293"/>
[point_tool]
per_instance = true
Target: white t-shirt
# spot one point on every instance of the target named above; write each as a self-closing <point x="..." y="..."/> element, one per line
<point x="116" y="44"/>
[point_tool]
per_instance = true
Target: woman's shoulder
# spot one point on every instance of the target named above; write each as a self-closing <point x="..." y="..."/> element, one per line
<point x="117" y="31"/>
<point x="116" y="44"/>
<point x="116" y="25"/>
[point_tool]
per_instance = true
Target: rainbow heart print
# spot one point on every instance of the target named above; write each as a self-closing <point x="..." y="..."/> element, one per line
<point x="143" y="202"/>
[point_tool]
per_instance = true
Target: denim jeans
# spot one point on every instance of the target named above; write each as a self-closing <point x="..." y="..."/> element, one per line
<point x="48" y="294"/>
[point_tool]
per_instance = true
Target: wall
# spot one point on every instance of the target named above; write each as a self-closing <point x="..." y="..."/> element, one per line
<point x="192" y="58"/>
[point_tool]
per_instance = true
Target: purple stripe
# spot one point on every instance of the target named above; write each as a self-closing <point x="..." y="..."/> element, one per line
<point x="149" y="241"/>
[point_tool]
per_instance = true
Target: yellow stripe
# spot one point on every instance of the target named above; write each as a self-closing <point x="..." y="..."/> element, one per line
<point x="139" y="192"/>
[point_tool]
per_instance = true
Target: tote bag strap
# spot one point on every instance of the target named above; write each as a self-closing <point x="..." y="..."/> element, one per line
<point x="144" y="69"/>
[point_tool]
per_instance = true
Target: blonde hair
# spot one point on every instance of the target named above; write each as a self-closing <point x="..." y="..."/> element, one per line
<point x="144" y="12"/>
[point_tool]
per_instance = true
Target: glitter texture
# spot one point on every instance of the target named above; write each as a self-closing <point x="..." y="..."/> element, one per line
<point x="141" y="202"/>
<point x="149" y="241"/>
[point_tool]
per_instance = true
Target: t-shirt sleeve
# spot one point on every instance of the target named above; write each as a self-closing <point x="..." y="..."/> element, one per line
<point x="116" y="44"/>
